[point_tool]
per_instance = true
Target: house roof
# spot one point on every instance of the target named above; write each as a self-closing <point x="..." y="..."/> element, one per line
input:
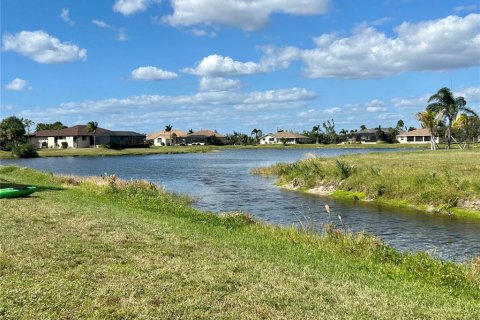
<point x="206" y="133"/>
<point x="416" y="132"/>
<point x="166" y="134"/>
<point x="374" y="131"/>
<point x="287" y="135"/>
<point x="81" y="130"/>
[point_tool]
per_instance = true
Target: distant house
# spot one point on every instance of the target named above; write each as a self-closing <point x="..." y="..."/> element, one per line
<point x="284" y="137"/>
<point x="370" y="135"/>
<point x="204" y="137"/>
<point x="163" y="137"/>
<point x="416" y="136"/>
<point x="79" y="137"/>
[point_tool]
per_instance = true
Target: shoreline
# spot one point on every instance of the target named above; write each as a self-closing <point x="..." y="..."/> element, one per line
<point x="440" y="182"/>
<point x="342" y="195"/>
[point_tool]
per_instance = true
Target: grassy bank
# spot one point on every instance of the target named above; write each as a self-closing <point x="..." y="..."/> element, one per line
<point x="102" y="152"/>
<point x="95" y="248"/>
<point x="446" y="181"/>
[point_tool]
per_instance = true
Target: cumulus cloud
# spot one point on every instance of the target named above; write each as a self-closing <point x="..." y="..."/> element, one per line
<point x="375" y="105"/>
<point x="129" y="7"/>
<point x="219" y="66"/>
<point x="246" y="15"/>
<point x="218" y="84"/>
<point x="449" y="43"/>
<point x="42" y="47"/>
<point x="200" y="99"/>
<point x="471" y="95"/>
<point x="65" y="16"/>
<point x="18" y="84"/>
<point x="121" y="35"/>
<point x="150" y="73"/>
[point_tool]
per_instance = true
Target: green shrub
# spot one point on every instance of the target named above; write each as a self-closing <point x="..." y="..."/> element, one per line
<point x="345" y="170"/>
<point x="64" y="145"/>
<point x="25" y="150"/>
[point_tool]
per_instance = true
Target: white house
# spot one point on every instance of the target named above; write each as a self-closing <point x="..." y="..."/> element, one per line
<point x="283" y="137"/>
<point x="417" y="136"/>
<point x="164" y="138"/>
<point x="79" y="137"/>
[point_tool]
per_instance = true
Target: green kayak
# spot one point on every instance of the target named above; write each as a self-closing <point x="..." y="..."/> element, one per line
<point x="16" y="192"/>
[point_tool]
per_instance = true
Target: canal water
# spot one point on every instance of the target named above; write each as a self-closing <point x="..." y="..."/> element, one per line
<point x="221" y="181"/>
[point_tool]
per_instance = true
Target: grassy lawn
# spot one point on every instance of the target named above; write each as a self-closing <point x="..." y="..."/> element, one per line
<point x="100" y="152"/>
<point x="106" y="249"/>
<point x="444" y="180"/>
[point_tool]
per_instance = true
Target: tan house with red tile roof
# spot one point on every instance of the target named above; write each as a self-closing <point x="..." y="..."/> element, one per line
<point x="164" y="138"/>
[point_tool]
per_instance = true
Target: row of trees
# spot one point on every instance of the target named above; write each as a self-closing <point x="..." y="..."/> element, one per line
<point x="449" y="116"/>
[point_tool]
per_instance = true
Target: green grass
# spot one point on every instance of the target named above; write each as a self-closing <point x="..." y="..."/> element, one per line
<point x="101" y="152"/>
<point x="442" y="180"/>
<point x="106" y="249"/>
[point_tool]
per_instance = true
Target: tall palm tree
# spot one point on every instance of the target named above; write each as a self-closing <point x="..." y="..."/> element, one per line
<point x="443" y="102"/>
<point x="92" y="127"/>
<point x="430" y="120"/>
<point x="168" y="128"/>
<point x="316" y="131"/>
<point x="257" y="133"/>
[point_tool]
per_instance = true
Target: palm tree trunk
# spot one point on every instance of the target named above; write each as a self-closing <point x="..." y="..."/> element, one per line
<point x="449" y="133"/>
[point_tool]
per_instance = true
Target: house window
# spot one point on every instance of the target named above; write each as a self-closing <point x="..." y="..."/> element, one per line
<point x="426" y="138"/>
<point x="419" y="139"/>
<point x="271" y="139"/>
<point x="60" y="138"/>
<point x="122" y="138"/>
<point x="84" y="138"/>
<point x="410" y="139"/>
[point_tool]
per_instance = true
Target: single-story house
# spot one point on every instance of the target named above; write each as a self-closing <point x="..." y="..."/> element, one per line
<point x="417" y="136"/>
<point x="79" y="137"/>
<point x="203" y="137"/>
<point x="370" y="135"/>
<point x="164" y="138"/>
<point x="284" y="137"/>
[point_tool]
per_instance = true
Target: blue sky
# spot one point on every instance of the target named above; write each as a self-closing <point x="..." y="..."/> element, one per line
<point x="235" y="65"/>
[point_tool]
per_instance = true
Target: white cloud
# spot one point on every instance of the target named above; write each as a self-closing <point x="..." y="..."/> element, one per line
<point x="471" y="94"/>
<point x="381" y="21"/>
<point x="246" y="15"/>
<point x="449" y="43"/>
<point x="219" y="66"/>
<point x="129" y="7"/>
<point x="202" y="33"/>
<point x="218" y="84"/>
<point x="198" y="100"/>
<point x="42" y="47"/>
<point x="18" y="84"/>
<point x="121" y="35"/>
<point x="471" y="7"/>
<point x="150" y="73"/>
<point x="375" y="105"/>
<point x="65" y="16"/>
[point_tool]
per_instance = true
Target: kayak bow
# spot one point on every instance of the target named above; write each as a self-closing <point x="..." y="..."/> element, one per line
<point x="16" y="192"/>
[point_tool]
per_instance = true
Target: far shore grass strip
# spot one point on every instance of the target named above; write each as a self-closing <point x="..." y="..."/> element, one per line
<point x="104" y="152"/>
<point x="440" y="182"/>
<point x="96" y="248"/>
